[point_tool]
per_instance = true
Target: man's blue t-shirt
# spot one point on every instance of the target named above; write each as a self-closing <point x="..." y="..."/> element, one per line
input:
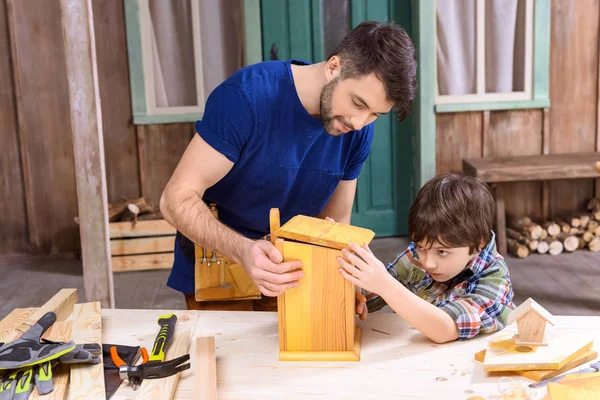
<point x="282" y="155"/>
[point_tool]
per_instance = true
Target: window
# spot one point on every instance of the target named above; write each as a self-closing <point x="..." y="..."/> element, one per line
<point x="179" y="51"/>
<point x="491" y="54"/>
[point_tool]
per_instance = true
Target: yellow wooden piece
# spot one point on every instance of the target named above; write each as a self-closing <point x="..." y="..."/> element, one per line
<point x="160" y="244"/>
<point x="543" y="375"/>
<point x="505" y="355"/>
<point x="324" y="233"/>
<point x="317" y="320"/>
<point x="142" y="262"/>
<point x="153" y="227"/>
<point x="584" y="387"/>
<point x="206" y="369"/>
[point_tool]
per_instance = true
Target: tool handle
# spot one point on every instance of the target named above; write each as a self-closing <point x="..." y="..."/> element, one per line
<point x="167" y="327"/>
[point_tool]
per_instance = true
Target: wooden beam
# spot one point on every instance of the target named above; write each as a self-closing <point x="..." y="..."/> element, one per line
<point x="86" y="121"/>
<point x="164" y="389"/>
<point x="87" y="380"/>
<point x="546" y="150"/>
<point x="597" y="181"/>
<point x="206" y="369"/>
<point x="10" y="323"/>
<point x="61" y="304"/>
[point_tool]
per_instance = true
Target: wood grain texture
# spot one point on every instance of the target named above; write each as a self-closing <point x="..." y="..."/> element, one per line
<point x="206" y="369"/>
<point x="318" y="316"/>
<point x="535" y="167"/>
<point x="573" y="93"/>
<point x="142" y="262"/>
<point x="164" y="389"/>
<point x="60" y="332"/>
<point x="503" y="354"/>
<point x="120" y="142"/>
<point x="543" y="375"/>
<point x="155" y="227"/>
<point x="61" y="304"/>
<point x="458" y="136"/>
<point x="87" y="379"/>
<point x="9" y="323"/>
<point x="13" y="235"/>
<point x="44" y="124"/>
<point x="88" y="144"/>
<point x="515" y="133"/>
<point x="160" y="148"/>
<point x="324" y="233"/>
<point x="161" y="244"/>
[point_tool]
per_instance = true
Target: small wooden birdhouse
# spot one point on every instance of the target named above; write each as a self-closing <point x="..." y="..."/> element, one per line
<point x="317" y="319"/>
<point x="531" y="323"/>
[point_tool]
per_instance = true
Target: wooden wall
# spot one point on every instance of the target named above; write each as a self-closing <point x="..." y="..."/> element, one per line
<point x="38" y="195"/>
<point x="569" y="125"/>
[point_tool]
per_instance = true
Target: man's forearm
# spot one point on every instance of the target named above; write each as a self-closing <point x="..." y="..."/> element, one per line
<point x="186" y="211"/>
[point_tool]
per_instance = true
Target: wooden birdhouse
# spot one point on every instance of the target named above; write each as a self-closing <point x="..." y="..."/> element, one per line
<point x="317" y="319"/>
<point x="531" y="323"/>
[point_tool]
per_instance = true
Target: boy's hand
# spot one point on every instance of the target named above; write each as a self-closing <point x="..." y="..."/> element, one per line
<point x="361" y="305"/>
<point x="363" y="269"/>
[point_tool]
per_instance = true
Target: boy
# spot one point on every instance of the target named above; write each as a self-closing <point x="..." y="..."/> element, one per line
<point x="450" y="283"/>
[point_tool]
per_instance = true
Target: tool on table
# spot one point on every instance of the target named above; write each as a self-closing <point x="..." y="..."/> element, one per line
<point x="594" y="367"/>
<point x="153" y="365"/>
<point x="112" y="380"/>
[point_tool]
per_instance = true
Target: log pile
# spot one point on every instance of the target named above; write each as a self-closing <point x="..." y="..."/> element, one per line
<point x="582" y="231"/>
<point x="132" y="210"/>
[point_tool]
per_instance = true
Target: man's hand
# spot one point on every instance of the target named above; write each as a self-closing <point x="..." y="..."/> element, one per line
<point x="364" y="270"/>
<point x="361" y="305"/>
<point x="263" y="262"/>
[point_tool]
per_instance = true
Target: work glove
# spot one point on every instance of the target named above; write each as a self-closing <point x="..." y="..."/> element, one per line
<point x="29" y="349"/>
<point x="18" y="384"/>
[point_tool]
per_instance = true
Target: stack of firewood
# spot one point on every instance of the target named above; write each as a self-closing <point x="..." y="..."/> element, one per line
<point x="582" y="231"/>
<point x="132" y="210"/>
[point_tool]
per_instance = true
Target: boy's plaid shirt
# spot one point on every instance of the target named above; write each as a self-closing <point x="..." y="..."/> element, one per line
<point x="479" y="299"/>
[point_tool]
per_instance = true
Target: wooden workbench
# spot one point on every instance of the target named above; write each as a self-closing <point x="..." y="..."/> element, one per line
<point x="403" y="364"/>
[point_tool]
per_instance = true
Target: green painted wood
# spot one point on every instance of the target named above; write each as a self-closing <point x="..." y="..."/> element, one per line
<point x="300" y="30"/>
<point x="134" y="51"/>
<point x="493" y="106"/>
<point x="165" y="118"/>
<point x="541" y="49"/>
<point x="317" y="30"/>
<point x="252" y="32"/>
<point x="384" y="191"/>
<point x="424" y="122"/>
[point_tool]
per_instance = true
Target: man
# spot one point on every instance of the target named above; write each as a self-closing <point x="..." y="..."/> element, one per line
<point x="283" y="134"/>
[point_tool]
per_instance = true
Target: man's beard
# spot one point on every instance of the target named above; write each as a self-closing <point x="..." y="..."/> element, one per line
<point x="326" y="114"/>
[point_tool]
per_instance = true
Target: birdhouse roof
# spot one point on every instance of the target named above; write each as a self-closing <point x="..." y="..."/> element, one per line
<point x="324" y="233"/>
<point x="528" y="306"/>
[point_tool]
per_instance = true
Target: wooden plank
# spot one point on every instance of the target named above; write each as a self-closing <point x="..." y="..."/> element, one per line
<point x="87" y="379"/>
<point x="165" y="388"/>
<point x="527" y="168"/>
<point x="61" y="304"/>
<point x="160" y="147"/>
<point x="60" y="332"/>
<point x="44" y="125"/>
<point x="161" y="244"/>
<point x="573" y="93"/>
<point x="154" y="227"/>
<point x="543" y="375"/>
<point x="206" y="369"/>
<point x="546" y="150"/>
<point x="142" y="262"/>
<point x="504" y="354"/>
<point x="13" y="235"/>
<point x="458" y="137"/>
<point x="120" y="142"/>
<point x="324" y="233"/>
<point x="17" y="317"/>
<point x="88" y="145"/>
<point x="517" y="133"/>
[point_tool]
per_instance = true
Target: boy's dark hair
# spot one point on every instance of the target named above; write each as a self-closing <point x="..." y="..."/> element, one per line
<point x="387" y="51"/>
<point x="454" y="210"/>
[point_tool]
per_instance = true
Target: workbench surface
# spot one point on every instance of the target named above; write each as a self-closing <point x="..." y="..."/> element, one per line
<point x="401" y="365"/>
